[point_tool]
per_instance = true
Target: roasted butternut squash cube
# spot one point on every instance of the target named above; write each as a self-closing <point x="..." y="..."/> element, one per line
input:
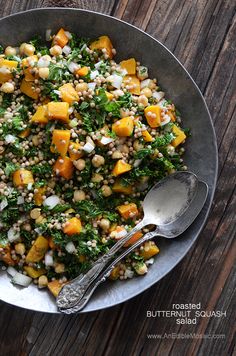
<point x="64" y="167"/>
<point x="61" y="38"/>
<point x="172" y="115"/>
<point x="27" y="64"/>
<point x="40" y="116"/>
<point x="29" y="89"/>
<point x="118" y="187"/>
<point x="109" y="95"/>
<point x="147" y="136"/>
<point x="72" y="226"/>
<point x="103" y="42"/>
<point x="129" y="65"/>
<point x="133" y="84"/>
<point x="38" y="196"/>
<point x="75" y="151"/>
<point x="115" y="273"/>
<point x="11" y="65"/>
<point x="180" y="136"/>
<point x="34" y="273"/>
<point x="24" y="133"/>
<point x="68" y="93"/>
<point x="153" y="115"/>
<point x="121" y="167"/>
<point x="6" y="68"/>
<point x="123" y="127"/>
<point x="82" y="71"/>
<point x="5" y="256"/>
<point x="5" y="75"/>
<point x="58" y="111"/>
<point x="128" y="211"/>
<point x="22" y="177"/>
<point x="149" y="250"/>
<point x="60" y="141"/>
<point x="55" y="287"/>
<point x="38" y="250"/>
<point x="133" y="239"/>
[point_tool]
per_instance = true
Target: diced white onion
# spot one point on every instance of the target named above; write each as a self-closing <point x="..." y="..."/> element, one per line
<point x="158" y="95"/>
<point x="12" y="271"/>
<point x="72" y="66"/>
<point x="57" y="92"/>
<point x="68" y="35"/>
<point x="121" y="234"/>
<point x="29" y="186"/>
<point x="98" y="64"/>
<point x="117" y="81"/>
<point x="48" y="260"/>
<point x="145" y="83"/>
<point x="21" y="279"/>
<point x="106" y="140"/>
<point x="13" y="235"/>
<point x="10" y="138"/>
<point x="51" y="201"/>
<point x="70" y="247"/>
<point x="118" y="92"/>
<point x="137" y="162"/>
<point x="162" y="103"/>
<point x="129" y="273"/>
<point x="94" y="74"/>
<point x="70" y="110"/>
<point x="150" y="261"/>
<point x="92" y="85"/>
<point x="20" y="200"/>
<point x="88" y="147"/>
<point x="66" y="49"/>
<point x="73" y="123"/>
<point x="3" y="204"/>
<point x="123" y="72"/>
<point x="48" y="34"/>
<point x="43" y="62"/>
<point x="166" y="120"/>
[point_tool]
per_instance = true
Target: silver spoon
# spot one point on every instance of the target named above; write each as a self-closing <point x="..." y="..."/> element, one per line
<point x="177" y="228"/>
<point x="163" y="204"/>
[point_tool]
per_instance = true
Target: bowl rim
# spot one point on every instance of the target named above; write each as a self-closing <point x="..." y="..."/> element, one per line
<point x="134" y="294"/>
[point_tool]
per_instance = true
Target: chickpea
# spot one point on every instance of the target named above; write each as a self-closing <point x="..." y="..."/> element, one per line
<point x="97" y="178"/>
<point x="35" y="140"/>
<point x="20" y="248"/>
<point x="105" y="224"/>
<point x="35" y="213"/>
<point x="7" y="87"/>
<point x="80" y="164"/>
<point x="55" y="50"/>
<point x="142" y="100"/>
<point x="42" y="281"/>
<point x="44" y="73"/>
<point x="141" y="269"/>
<point x="147" y="92"/>
<point x="98" y="161"/>
<point x="82" y="87"/>
<point x="116" y="155"/>
<point x="27" y="49"/>
<point x="10" y="51"/>
<point x="124" y="149"/>
<point x="79" y="195"/>
<point x="106" y="190"/>
<point x="59" y="268"/>
<point x="137" y="145"/>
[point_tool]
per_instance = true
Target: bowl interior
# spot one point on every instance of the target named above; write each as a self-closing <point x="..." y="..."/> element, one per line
<point x="201" y="150"/>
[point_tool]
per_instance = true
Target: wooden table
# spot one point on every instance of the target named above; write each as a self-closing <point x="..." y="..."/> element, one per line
<point x="202" y="34"/>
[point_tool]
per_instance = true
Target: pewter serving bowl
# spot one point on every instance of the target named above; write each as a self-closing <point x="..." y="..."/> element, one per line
<point x="201" y="150"/>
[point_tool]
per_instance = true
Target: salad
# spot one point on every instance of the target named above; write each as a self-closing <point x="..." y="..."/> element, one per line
<point x="82" y="140"/>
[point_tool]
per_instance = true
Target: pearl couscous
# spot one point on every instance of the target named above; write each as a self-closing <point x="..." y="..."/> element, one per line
<point x="82" y="140"/>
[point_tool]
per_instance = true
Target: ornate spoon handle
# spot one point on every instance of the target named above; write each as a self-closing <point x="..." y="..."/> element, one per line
<point x="74" y="290"/>
<point x="103" y="276"/>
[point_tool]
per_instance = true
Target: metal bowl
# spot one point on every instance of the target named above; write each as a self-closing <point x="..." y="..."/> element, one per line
<point x="201" y="149"/>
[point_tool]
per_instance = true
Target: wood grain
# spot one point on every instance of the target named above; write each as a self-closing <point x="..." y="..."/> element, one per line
<point x="201" y="33"/>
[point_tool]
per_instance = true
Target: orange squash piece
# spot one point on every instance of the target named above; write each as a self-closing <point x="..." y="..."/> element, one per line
<point x="29" y="89"/>
<point x="146" y="136"/>
<point x="129" y="65"/>
<point x="27" y="64"/>
<point x="133" y="239"/>
<point x="34" y="273"/>
<point x="61" y="38"/>
<point x="6" y="67"/>
<point x="5" y="256"/>
<point x="128" y="211"/>
<point x="121" y="167"/>
<point x="82" y="71"/>
<point x="75" y="151"/>
<point x="24" y="133"/>
<point x="55" y="287"/>
<point x="149" y="250"/>
<point x="58" y="111"/>
<point x="68" y="93"/>
<point x="153" y="115"/>
<point x="180" y="136"/>
<point x="40" y="116"/>
<point x="60" y="141"/>
<point x="134" y="83"/>
<point x="22" y="177"/>
<point x="118" y="187"/>
<point x="72" y="226"/>
<point x="64" y="167"/>
<point x="123" y="127"/>
<point x="103" y="42"/>
<point x="172" y="115"/>
<point x="38" y="250"/>
<point x="38" y="197"/>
